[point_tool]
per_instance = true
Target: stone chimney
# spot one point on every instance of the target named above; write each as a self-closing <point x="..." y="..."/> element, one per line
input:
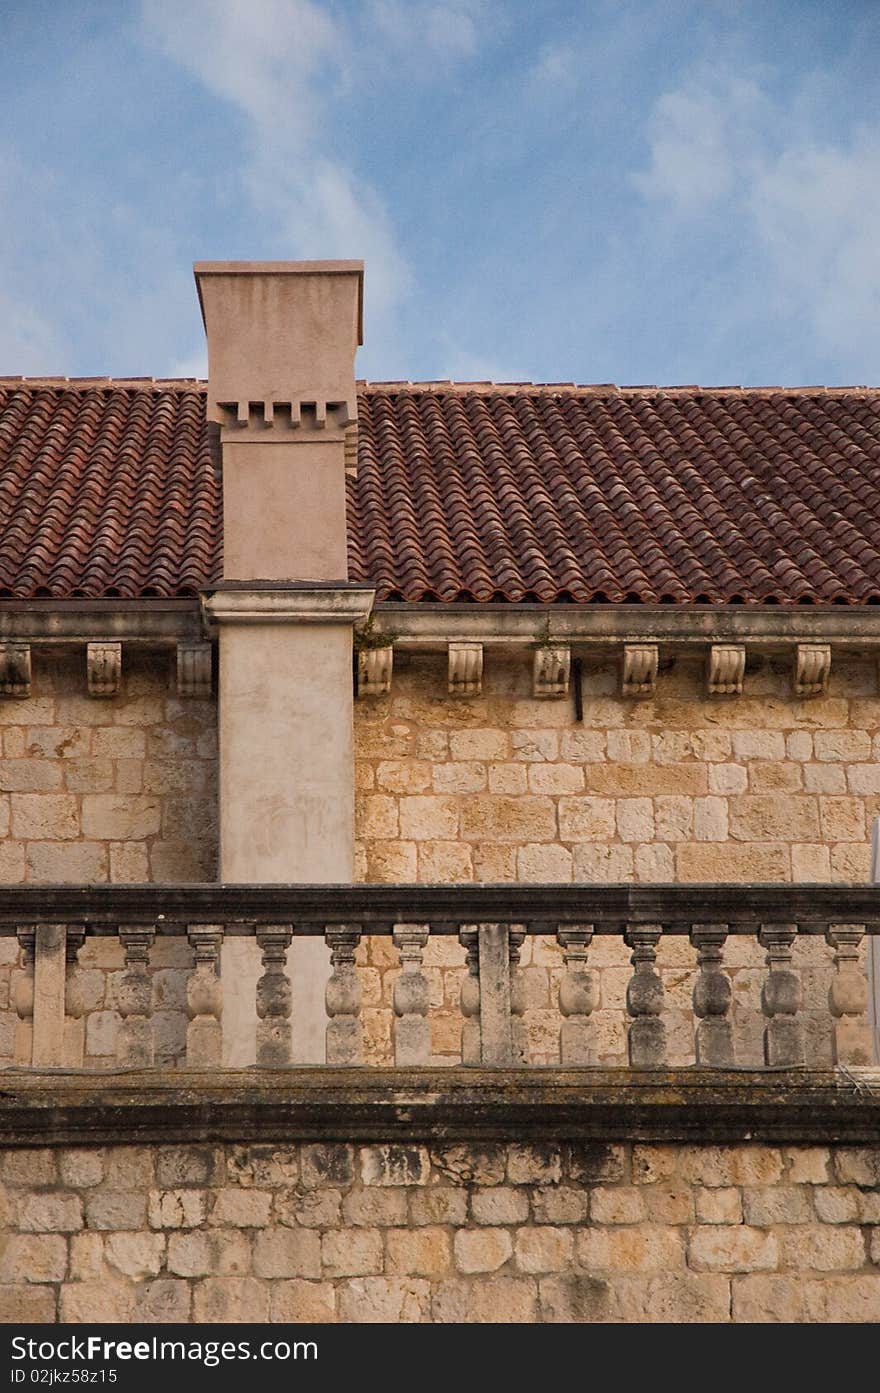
<point x="282" y="338"/>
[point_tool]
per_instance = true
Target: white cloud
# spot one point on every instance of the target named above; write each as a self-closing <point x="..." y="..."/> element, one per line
<point x="29" y="345"/>
<point x="557" y="68"/>
<point x="426" y="29"/>
<point x="280" y="63"/>
<point x="703" y="138"/>
<point x="807" y="208"/>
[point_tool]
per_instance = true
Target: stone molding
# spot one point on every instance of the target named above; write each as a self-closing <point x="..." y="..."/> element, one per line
<point x="304" y="603"/>
<point x="707" y="1106"/>
<point x="765" y="628"/>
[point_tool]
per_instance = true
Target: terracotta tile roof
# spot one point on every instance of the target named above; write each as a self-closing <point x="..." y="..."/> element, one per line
<point x="468" y="491"/>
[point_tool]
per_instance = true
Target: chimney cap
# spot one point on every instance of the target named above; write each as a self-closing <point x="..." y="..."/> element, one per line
<point x="284" y="268"/>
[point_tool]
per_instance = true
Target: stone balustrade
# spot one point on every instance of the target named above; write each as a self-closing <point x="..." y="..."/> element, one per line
<point x="490" y="921"/>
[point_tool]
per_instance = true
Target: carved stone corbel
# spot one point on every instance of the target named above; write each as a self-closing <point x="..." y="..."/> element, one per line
<point x="725" y="670"/>
<point x="375" y="666"/>
<point x="812" y="669"/>
<point x="15" y="669"/>
<point x="193" y="669"/>
<point x="104" y="667"/>
<point x="639" y="673"/>
<point x="551" y="670"/>
<point x="465" y="669"/>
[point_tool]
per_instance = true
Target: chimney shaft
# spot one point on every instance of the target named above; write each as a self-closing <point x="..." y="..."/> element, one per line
<point x="282" y="338"/>
<point x="281" y="343"/>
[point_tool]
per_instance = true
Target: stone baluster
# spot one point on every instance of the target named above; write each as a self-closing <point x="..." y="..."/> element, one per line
<point x="519" y="1034"/>
<point x="74" y="999"/>
<point x="578" y="995"/>
<point x="345" y="1044"/>
<point x="848" y="997"/>
<point x="781" y="998"/>
<point x="23" y="994"/>
<point x="644" y="998"/>
<point x="204" y="998"/>
<point x="411" y="999"/>
<point x="134" y="996"/>
<point x="713" y="1036"/>
<point x="274" y="997"/>
<point x="471" y="1045"/>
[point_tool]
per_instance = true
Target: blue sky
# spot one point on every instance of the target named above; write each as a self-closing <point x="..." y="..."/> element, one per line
<point x="685" y="191"/>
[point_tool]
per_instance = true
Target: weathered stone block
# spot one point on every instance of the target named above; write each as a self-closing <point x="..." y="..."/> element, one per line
<point x="327" y="1164"/>
<point x="823" y="1248"/>
<point x="835" y="1300"/>
<point x="722" y="1248"/>
<point x="586" y="819"/>
<point x="780" y="1204"/>
<point x="500" y="1205"/>
<point x="241" y="1209"/>
<point x="543" y="1249"/>
<point x="287" y="1253"/>
<point x="621" y="1204"/>
<point x="50" y="1213"/>
<point x="438" y="1204"/>
<point x="483" y="1250"/>
<point x="501" y="1300"/>
<point x="675" y="1297"/>
<point x="836" y="1204"/>
<point x="87" y="1303"/>
<point x="375" y="1208"/>
<point x="765" y="1299"/>
<point x="423" y="1252"/>
<point x="27" y="1305"/>
<point x="644" y="1249"/>
<point x="136" y="1255"/>
<point x="177" y="1166"/>
<point x="44" y="817"/>
<point x="176" y="1209"/>
<point x="33" y="1257"/>
<point x="116" y="1210"/>
<point x="560" y="1204"/>
<point x="858" y="1165"/>
<point x="383" y="1300"/>
<point x="719" y="1206"/>
<point x="534" y="1165"/>
<point x="394" y="1165"/>
<point x="221" y="1252"/>
<point x="302" y="1302"/>
<point x="592" y="1161"/>
<point x="352" y="1253"/>
<point x="120" y="817"/>
<point x="219" y="1299"/>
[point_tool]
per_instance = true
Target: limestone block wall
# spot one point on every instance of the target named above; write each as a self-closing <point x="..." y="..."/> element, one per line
<point x="490" y="1233"/>
<point x="763" y="787"/>
<point x="96" y="789"/>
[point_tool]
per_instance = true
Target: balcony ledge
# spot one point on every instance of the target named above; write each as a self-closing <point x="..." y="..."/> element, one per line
<point x="690" y="1105"/>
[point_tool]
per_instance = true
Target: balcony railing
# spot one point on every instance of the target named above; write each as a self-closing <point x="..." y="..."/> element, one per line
<point x="490" y="921"/>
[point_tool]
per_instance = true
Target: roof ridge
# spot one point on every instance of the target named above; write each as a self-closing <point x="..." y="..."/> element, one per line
<point x="609" y="389"/>
<point x="460" y="388"/>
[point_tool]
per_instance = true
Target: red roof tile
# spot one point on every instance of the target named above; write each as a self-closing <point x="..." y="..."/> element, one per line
<point x="468" y="492"/>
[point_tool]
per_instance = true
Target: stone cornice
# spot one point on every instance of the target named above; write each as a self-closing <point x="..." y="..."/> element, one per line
<point x="84" y="621"/>
<point x="306" y="602"/>
<point x="477" y="1104"/>
<point x="766" y="627"/>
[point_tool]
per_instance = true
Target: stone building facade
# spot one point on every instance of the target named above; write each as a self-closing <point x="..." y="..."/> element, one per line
<point x="598" y="637"/>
